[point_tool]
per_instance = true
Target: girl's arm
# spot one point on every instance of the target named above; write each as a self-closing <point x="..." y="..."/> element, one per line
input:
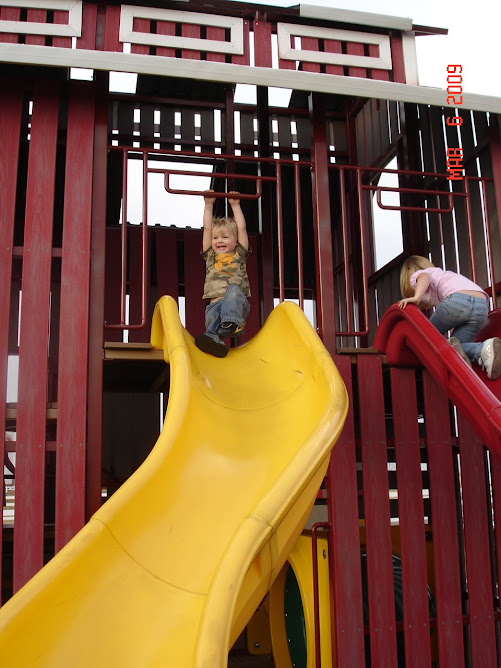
<point x="208" y="215"/>
<point x="239" y="217"/>
<point x="422" y="285"/>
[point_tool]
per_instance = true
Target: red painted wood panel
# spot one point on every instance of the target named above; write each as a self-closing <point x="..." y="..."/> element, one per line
<point x="167" y="269"/>
<point x="380" y="75"/>
<point x="111" y="30"/>
<point x="333" y="46"/>
<point x="189" y="30"/>
<point x="11" y="99"/>
<point x="136" y="285"/>
<point x="113" y="273"/>
<point x="309" y="44"/>
<point x="36" y="16"/>
<point x="166" y="28"/>
<point x="216" y="34"/>
<point x="397" y="57"/>
<point x="377" y="512"/>
<point x="9" y="14"/>
<point x="32" y="404"/>
<point x="262" y="43"/>
<point x="344" y="543"/>
<point x="61" y="18"/>
<point x="73" y="332"/>
<point x="411" y="519"/>
<point x="354" y="48"/>
<point x="444" y="527"/>
<point x="141" y="25"/>
<point x="476" y="539"/>
<point x="89" y="27"/>
<point x="194" y="276"/>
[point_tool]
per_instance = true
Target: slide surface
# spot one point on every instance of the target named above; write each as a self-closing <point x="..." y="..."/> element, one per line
<point x="408" y="338"/>
<point x="169" y="571"/>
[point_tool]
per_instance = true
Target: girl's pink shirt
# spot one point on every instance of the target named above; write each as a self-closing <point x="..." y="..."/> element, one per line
<point x="442" y="284"/>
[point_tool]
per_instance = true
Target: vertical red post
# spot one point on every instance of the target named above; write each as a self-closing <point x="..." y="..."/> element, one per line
<point x="34" y="335"/>
<point x="11" y="99"/>
<point x="322" y="225"/>
<point x="377" y="513"/>
<point x="73" y="327"/>
<point x="344" y="542"/>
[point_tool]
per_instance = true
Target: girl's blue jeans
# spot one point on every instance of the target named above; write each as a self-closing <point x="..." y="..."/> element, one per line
<point x="233" y="307"/>
<point x="466" y="315"/>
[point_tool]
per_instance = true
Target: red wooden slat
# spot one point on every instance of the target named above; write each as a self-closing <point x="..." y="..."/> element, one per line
<point x="136" y="286"/>
<point x="244" y="59"/>
<point x="444" y="526"/>
<point x="166" y="28"/>
<point x="89" y="21"/>
<point x="310" y="44"/>
<point x="141" y="25"/>
<point x="11" y="99"/>
<point x="111" y="30"/>
<point x="354" y="48"/>
<point x="167" y="270"/>
<point x="194" y="275"/>
<point x="189" y="30"/>
<point x="252" y="325"/>
<point x="380" y="75"/>
<point x="113" y="272"/>
<point x="397" y="58"/>
<point x="36" y="16"/>
<point x="217" y="34"/>
<point x="333" y="46"/>
<point x="61" y="18"/>
<point x="344" y="544"/>
<point x="377" y="512"/>
<point x="476" y="538"/>
<point x="411" y="519"/>
<point x="73" y="333"/>
<point x="262" y="43"/>
<point x="9" y="14"/>
<point x="495" y="465"/>
<point x="30" y="451"/>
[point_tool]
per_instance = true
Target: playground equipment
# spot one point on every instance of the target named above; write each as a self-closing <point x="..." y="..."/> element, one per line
<point x="169" y="571"/>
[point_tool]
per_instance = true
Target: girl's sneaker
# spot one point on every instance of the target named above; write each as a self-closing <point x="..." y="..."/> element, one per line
<point x="490" y="358"/>
<point x="456" y="344"/>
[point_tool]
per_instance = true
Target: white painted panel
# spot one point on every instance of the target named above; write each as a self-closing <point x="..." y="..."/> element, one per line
<point x="285" y="51"/>
<point x="71" y="29"/>
<point x="127" y="33"/>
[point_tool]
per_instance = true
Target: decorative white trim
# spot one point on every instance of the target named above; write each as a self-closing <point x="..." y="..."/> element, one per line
<point x="228" y="73"/>
<point x="71" y="29"/>
<point x="127" y="33"/>
<point x="410" y="58"/>
<point x="357" y="18"/>
<point x="285" y="51"/>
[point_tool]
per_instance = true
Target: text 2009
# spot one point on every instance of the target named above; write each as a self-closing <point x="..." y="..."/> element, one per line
<point x="455" y="96"/>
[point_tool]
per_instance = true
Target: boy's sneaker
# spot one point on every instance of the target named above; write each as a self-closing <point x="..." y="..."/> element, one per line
<point x="207" y="344"/>
<point x="229" y="329"/>
<point x="456" y="344"/>
<point x="490" y="357"/>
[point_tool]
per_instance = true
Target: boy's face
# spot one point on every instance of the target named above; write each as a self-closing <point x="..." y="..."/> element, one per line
<point x="223" y="241"/>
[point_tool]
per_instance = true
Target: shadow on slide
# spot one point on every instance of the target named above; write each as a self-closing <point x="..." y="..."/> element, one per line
<point x="408" y="338"/>
<point x="168" y="572"/>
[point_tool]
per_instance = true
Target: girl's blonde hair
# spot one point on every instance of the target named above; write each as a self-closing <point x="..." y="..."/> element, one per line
<point x="413" y="263"/>
<point x="225" y="223"/>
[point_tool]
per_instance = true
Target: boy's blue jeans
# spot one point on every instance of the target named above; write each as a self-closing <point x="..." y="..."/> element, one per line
<point x="233" y="307"/>
<point x="466" y="315"/>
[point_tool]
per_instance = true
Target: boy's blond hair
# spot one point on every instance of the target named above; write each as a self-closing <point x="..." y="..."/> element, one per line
<point x="226" y="223"/>
<point x="413" y="263"/>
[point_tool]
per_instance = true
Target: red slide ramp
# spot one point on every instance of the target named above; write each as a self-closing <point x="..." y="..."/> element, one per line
<point x="408" y="339"/>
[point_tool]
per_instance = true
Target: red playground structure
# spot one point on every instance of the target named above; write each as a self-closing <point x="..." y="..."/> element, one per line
<point x="114" y="120"/>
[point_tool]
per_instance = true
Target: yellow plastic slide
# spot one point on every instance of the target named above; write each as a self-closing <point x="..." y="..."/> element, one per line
<point x="168" y="572"/>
